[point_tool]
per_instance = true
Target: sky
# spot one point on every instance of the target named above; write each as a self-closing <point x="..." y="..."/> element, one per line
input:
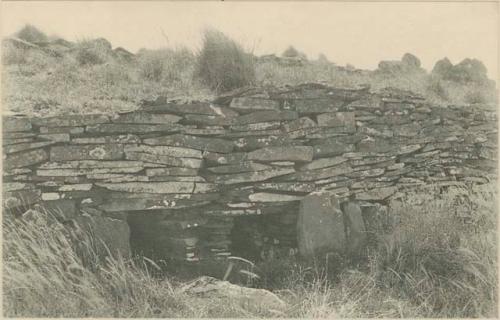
<point x="358" y="33"/>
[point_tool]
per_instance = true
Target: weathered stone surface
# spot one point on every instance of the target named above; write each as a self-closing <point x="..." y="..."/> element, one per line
<point x="24" y="159"/>
<point x="86" y="152"/>
<point x="207" y="120"/>
<point x="73" y="172"/>
<point x="71" y="120"/>
<point x="317" y="174"/>
<point x="26" y="146"/>
<point x="182" y="108"/>
<point x="265" y="116"/>
<point x="295" y="187"/>
<point x="241" y="167"/>
<point x="214" y="158"/>
<point x="199" y="143"/>
<point x="126" y="128"/>
<point x="252" y="176"/>
<point x="56" y="137"/>
<point x="320" y="226"/>
<point x="7" y="142"/>
<point x="333" y="148"/>
<point x="338" y="119"/>
<point x="180" y="152"/>
<point x="109" y="235"/>
<point x="246" y="104"/>
<point x="290" y="153"/>
<point x="146" y="118"/>
<point x="150" y="187"/>
<point x="207" y="131"/>
<point x="140" y="204"/>
<point x="252" y="143"/>
<point x="356" y="231"/>
<point x="306" y="106"/>
<point x="323" y="163"/>
<point x="376" y="194"/>
<point x="377" y="145"/>
<point x="122" y="138"/>
<point x="258" y="300"/>
<point x="92" y="164"/>
<point x="273" y="197"/>
<point x="14" y="124"/>
<point x="67" y="130"/>
<point x="173" y="171"/>
<point x="269" y="125"/>
<point x="165" y="160"/>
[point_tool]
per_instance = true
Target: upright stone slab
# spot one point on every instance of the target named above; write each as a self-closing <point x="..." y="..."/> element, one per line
<point x="356" y="231"/>
<point x="320" y="226"/>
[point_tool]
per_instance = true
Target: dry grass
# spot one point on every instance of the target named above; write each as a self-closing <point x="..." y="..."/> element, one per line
<point x="433" y="265"/>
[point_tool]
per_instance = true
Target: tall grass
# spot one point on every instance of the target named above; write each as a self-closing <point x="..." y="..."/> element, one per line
<point x="440" y="261"/>
<point x="222" y="63"/>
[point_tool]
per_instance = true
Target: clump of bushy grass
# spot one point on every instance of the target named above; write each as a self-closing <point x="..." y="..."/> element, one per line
<point x="222" y="63"/>
<point x="31" y="34"/>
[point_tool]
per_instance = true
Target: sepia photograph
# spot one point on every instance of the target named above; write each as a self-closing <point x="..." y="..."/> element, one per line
<point x="249" y="159"/>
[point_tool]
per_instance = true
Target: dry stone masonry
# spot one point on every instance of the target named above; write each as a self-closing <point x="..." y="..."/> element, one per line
<point x="256" y="170"/>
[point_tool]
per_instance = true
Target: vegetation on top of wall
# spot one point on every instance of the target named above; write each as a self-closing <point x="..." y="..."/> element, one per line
<point x="222" y="63"/>
<point x="47" y="76"/>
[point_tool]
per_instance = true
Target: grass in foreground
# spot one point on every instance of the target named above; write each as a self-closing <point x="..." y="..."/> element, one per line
<point x="434" y="264"/>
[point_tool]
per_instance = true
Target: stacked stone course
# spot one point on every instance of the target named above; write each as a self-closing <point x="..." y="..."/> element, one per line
<point x="181" y="173"/>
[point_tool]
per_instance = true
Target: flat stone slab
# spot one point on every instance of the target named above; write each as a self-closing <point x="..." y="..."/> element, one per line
<point x="125" y="128"/>
<point x="137" y="117"/>
<point x="26" y="146"/>
<point x="306" y="106"/>
<point x="92" y="164"/>
<point x="289" y="153"/>
<point x="252" y="143"/>
<point x="240" y="167"/>
<point x="14" y="124"/>
<point x="268" y="125"/>
<point x="86" y="152"/>
<point x="214" y="158"/>
<point x="173" y="171"/>
<point x="207" y="120"/>
<point x="182" y="109"/>
<point x="67" y="130"/>
<point x="247" y="104"/>
<point x="150" y="187"/>
<point x="273" y="197"/>
<point x="248" y="177"/>
<point x="332" y="148"/>
<point x="75" y="120"/>
<point x="323" y="163"/>
<point x="318" y="174"/>
<point x="165" y="160"/>
<point x="338" y="119"/>
<point x="294" y="187"/>
<point x="199" y="143"/>
<point x="166" y="150"/>
<point x="265" y="116"/>
<point x="24" y="159"/>
<point x="111" y="139"/>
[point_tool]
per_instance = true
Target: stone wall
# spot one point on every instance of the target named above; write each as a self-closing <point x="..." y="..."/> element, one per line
<point x="184" y="174"/>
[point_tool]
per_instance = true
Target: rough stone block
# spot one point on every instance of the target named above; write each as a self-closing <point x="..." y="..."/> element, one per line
<point x="199" y="143"/>
<point x="247" y="104"/>
<point x="288" y="153"/>
<point x="265" y="116"/>
<point x="86" y="152"/>
<point x="14" y="124"/>
<point x="138" y="117"/>
<point x="24" y="159"/>
<point x="75" y="120"/>
<point x="320" y="226"/>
